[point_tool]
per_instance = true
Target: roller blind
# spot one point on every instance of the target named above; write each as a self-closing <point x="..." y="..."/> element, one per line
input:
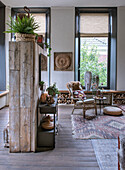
<point x="94" y="24"/>
<point x="41" y="20"/>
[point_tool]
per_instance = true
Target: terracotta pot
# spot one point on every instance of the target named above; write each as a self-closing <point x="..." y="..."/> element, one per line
<point x="25" y="37"/>
<point x="43" y="97"/>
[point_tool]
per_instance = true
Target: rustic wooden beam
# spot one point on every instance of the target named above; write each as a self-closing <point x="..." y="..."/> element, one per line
<point x="14" y="112"/>
<point x="14" y="56"/>
<point x="25" y="125"/>
<point x="24" y="95"/>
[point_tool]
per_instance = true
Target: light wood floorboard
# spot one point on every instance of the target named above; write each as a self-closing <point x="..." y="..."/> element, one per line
<point x="69" y="154"/>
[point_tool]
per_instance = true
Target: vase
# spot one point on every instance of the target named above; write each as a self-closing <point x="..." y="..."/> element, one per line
<point x="98" y="93"/>
<point x="97" y="81"/>
<point x="88" y="78"/>
<point x="43" y="97"/>
<point x="25" y="37"/>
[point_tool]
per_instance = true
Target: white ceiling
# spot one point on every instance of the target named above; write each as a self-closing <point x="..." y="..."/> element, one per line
<point x="75" y="3"/>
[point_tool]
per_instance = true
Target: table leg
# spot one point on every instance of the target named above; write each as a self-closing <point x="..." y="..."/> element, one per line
<point x="54" y="132"/>
<point x="103" y="103"/>
<point x="100" y="105"/>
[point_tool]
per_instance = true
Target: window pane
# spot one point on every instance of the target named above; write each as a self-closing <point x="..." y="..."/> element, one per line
<point x="94" y="57"/>
<point x="41" y="20"/>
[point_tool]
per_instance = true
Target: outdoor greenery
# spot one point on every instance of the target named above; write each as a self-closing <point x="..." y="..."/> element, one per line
<point x="89" y="61"/>
<point x="26" y="25"/>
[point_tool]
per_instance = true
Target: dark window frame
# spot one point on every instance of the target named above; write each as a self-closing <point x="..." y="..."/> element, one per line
<point x="111" y="78"/>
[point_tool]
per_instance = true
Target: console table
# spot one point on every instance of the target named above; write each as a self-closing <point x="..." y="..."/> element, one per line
<point x="46" y="138"/>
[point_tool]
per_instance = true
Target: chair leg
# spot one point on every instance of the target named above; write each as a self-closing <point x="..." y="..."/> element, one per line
<point x="84" y="114"/>
<point x="73" y="110"/>
<point x="84" y="111"/>
<point x="95" y="109"/>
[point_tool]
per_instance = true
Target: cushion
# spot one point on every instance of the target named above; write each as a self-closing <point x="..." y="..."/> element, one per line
<point x="75" y="86"/>
<point x="79" y="94"/>
<point x="89" y="101"/>
<point x="79" y="103"/>
<point x="115" y="111"/>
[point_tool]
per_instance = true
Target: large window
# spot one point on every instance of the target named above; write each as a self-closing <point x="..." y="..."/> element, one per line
<point x="94" y="44"/>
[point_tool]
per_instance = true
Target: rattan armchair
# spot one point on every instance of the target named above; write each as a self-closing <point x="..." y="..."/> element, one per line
<point x="84" y="104"/>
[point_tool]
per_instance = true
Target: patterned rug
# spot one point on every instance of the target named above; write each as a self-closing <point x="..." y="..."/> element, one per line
<point x="102" y="127"/>
<point x="122" y="107"/>
<point x="106" y="153"/>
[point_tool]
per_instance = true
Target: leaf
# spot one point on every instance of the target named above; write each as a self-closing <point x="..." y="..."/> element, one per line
<point x="24" y="25"/>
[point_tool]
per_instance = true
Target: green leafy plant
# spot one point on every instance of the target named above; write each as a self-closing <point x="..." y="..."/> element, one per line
<point x="89" y="61"/>
<point x="41" y="83"/>
<point x="52" y="90"/>
<point x="26" y="25"/>
<point x="48" y="48"/>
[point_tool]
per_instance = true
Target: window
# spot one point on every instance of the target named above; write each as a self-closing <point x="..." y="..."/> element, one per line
<point x="41" y="20"/>
<point x="94" y="45"/>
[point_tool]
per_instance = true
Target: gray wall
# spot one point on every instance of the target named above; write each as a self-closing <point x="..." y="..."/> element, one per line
<point x="121" y="49"/>
<point x="62" y="40"/>
<point x="7" y="39"/>
<point x="62" y="37"/>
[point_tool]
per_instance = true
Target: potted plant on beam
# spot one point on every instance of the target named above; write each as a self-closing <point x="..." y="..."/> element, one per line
<point x="23" y="27"/>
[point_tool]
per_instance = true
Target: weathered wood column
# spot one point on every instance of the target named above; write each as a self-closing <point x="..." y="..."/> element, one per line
<point x="24" y="94"/>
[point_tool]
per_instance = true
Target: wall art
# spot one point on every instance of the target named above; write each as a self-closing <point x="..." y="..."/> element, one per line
<point x="63" y="61"/>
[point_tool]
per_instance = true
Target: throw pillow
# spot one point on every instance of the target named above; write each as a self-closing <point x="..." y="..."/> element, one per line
<point x="79" y="94"/>
<point x="75" y="86"/>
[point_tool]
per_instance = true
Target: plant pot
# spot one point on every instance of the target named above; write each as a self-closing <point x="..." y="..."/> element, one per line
<point x="43" y="97"/>
<point x="41" y="87"/>
<point x="25" y="37"/>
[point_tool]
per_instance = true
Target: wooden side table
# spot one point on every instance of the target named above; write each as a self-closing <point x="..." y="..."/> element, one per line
<point x="101" y="101"/>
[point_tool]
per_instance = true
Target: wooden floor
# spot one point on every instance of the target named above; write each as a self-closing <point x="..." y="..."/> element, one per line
<point x="69" y="154"/>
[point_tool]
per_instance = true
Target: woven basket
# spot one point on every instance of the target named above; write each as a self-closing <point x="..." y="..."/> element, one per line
<point x="25" y="37"/>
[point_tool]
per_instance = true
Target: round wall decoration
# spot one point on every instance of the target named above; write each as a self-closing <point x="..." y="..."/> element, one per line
<point x="63" y="61"/>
